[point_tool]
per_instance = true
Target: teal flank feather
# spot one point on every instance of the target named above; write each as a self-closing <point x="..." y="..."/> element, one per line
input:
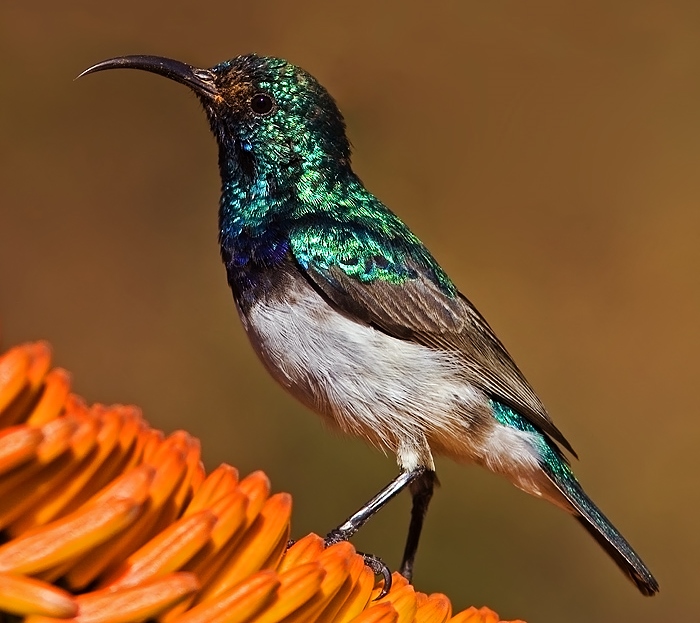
<point x="557" y="469"/>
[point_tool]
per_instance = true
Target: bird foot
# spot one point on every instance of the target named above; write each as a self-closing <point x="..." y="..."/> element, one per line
<point x="379" y="567"/>
<point x="336" y="536"/>
<point x="376" y="564"/>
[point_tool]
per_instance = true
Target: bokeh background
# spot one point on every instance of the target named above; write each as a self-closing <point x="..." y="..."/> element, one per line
<point x="547" y="154"/>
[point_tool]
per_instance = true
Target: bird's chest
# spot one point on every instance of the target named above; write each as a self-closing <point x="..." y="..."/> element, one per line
<point x="255" y="264"/>
<point x="304" y="343"/>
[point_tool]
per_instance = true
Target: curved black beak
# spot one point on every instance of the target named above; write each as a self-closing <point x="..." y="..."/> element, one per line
<point x="201" y="81"/>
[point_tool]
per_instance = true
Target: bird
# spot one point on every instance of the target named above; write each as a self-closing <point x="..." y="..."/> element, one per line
<point x="353" y="316"/>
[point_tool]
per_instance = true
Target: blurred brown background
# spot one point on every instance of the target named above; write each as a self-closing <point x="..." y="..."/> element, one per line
<point x="547" y="155"/>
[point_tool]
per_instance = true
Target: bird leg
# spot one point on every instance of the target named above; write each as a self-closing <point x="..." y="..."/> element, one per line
<point x="358" y="519"/>
<point x="422" y="491"/>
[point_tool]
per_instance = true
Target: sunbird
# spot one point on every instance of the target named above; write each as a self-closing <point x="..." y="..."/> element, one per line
<point x="351" y="313"/>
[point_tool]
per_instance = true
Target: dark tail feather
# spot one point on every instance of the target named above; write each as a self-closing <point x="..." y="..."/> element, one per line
<point x="625" y="557"/>
<point x="600" y="528"/>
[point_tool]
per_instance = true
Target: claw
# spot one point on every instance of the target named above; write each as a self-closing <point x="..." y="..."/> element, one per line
<point x="376" y="564"/>
<point x="379" y="567"/>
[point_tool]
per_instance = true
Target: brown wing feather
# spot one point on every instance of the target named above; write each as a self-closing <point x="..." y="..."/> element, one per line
<point x="418" y="310"/>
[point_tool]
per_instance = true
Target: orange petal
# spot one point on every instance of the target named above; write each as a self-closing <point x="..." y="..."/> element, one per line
<point x="135" y="484"/>
<point x="132" y="485"/>
<point x="198" y="476"/>
<point x="378" y="613"/>
<point x="476" y="615"/>
<point x="435" y="609"/>
<point x="154" y="441"/>
<point x="249" y="496"/>
<point x="257" y="487"/>
<point x="335" y="561"/>
<point x="18" y="445"/>
<point x="219" y="483"/>
<point x="238" y="604"/>
<point x="133" y="423"/>
<point x="189" y="448"/>
<point x="273" y="559"/>
<point x="297" y="586"/>
<point x="39" y="505"/>
<point x="403" y="599"/>
<point x="67" y="498"/>
<point x="166" y="552"/>
<point x="39" y="362"/>
<point x="161" y="453"/>
<point x="170" y="470"/>
<point x="57" y="435"/>
<point x="359" y="596"/>
<point x="14" y="366"/>
<point x="304" y="550"/>
<point x="336" y="610"/>
<point x="68" y="537"/>
<point x="76" y="404"/>
<point x="255" y="546"/>
<point x="56" y="441"/>
<point x="397" y="582"/>
<point x="207" y="563"/>
<point x="84" y="437"/>
<point x="118" y="459"/>
<point x="53" y="397"/>
<point x="231" y="514"/>
<point x="146" y="601"/>
<point x="140" y="435"/>
<point x="23" y="596"/>
<point x="50" y="477"/>
<point x="107" y="556"/>
<point x="193" y="462"/>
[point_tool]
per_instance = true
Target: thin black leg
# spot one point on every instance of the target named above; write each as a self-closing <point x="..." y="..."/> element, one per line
<point x="422" y="491"/>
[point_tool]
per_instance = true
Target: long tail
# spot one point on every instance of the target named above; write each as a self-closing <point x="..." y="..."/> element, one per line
<point x="592" y="519"/>
<point x="556" y="468"/>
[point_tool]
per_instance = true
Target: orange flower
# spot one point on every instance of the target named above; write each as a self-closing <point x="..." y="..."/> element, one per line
<point x="129" y="522"/>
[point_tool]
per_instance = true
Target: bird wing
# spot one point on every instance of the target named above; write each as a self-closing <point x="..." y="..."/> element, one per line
<point x="416" y="307"/>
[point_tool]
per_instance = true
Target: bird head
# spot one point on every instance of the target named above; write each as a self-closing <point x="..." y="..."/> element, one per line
<point x="266" y="114"/>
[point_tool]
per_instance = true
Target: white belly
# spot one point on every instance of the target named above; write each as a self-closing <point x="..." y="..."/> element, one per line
<point x="399" y="395"/>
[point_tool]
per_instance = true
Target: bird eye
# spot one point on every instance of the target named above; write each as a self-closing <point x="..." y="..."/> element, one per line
<point x="261" y="103"/>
